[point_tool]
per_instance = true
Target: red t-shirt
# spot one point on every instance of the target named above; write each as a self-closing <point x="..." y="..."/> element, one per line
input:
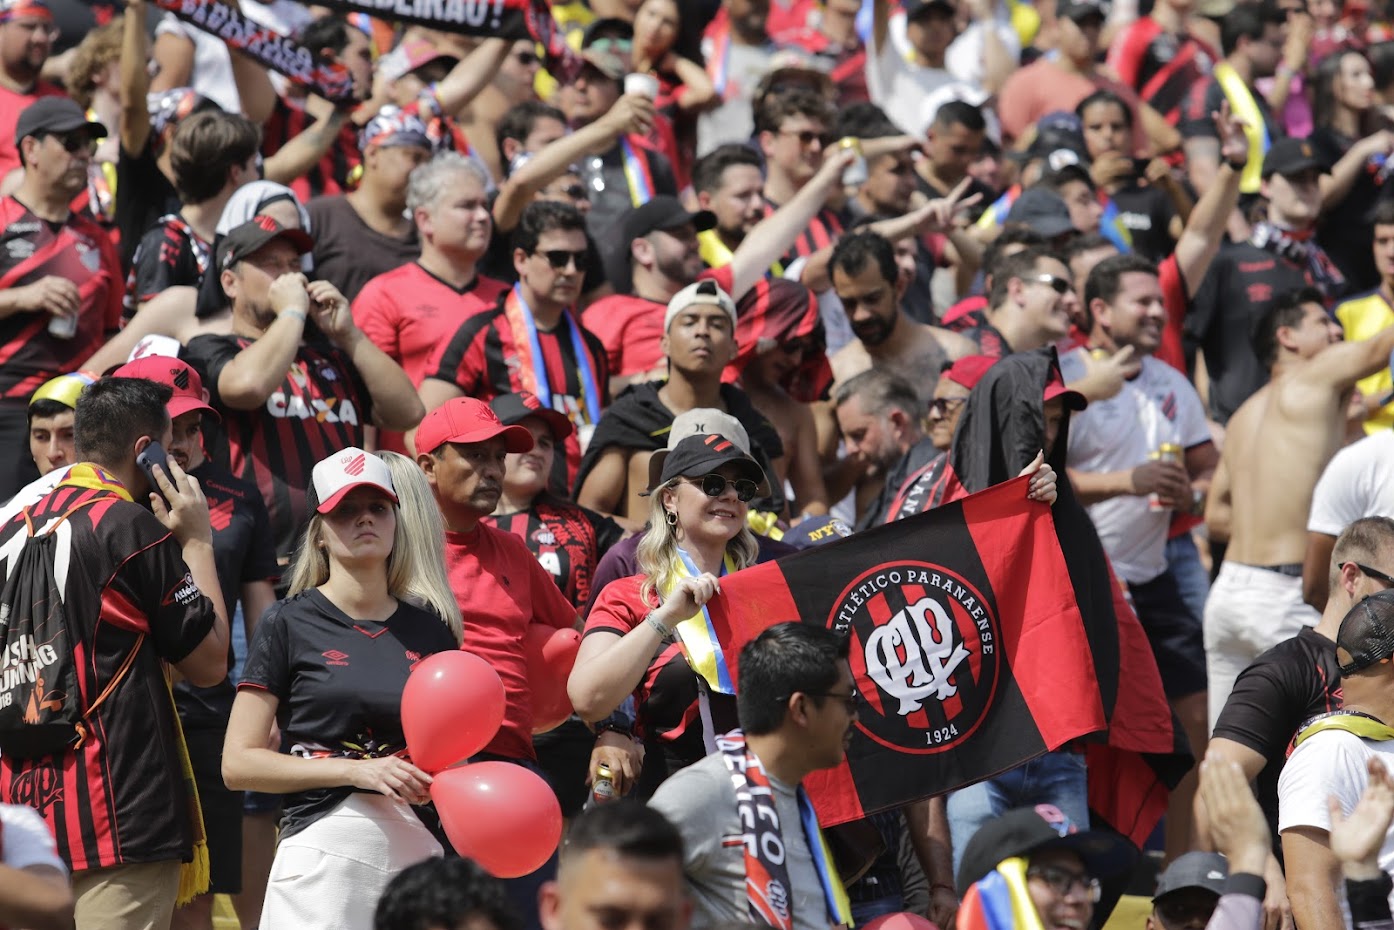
<point x="502" y="589"/>
<point x="408" y="312"/>
<point x="12" y="104"/>
<point x="631" y="328"/>
<point x="1174" y="299"/>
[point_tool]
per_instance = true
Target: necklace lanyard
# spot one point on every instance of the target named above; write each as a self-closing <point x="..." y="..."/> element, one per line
<point x="542" y="383"/>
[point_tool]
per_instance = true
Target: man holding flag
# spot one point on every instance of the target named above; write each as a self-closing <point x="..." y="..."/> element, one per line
<point x="797" y="700"/>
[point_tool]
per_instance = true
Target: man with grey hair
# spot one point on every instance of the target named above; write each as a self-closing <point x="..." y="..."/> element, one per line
<point x="410" y="310"/>
<point x="879" y="415"/>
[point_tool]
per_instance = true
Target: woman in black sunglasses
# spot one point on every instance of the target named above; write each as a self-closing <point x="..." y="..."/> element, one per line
<point x="649" y="634"/>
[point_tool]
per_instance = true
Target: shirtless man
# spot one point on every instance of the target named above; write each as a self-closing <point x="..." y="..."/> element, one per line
<point x="868" y="283"/>
<point x="699" y="340"/>
<point x="1276" y="446"/>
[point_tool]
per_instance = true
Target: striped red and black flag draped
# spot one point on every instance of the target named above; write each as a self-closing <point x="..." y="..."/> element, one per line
<point x="985" y="632"/>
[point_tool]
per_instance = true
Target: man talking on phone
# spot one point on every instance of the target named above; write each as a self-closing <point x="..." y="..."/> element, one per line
<point x="295" y="380"/>
<point x="138" y="590"/>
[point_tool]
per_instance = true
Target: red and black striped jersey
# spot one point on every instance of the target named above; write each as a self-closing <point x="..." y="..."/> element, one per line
<point x="169" y="255"/>
<point x="320" y="407"/>
<point x="566" y="539"/>
<point x="484" y="360"/>
<point x="119" y="797"/>
<point x="825" y="229"/>
<point x="1160" y="66"/>
<point x="79" y="250"/>
<point x="331" y="175"/>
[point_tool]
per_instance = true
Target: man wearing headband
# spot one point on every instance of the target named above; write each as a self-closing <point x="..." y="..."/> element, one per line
<point x="62" y="274"/>
<point x="51" y="421"/>
<point x="26" y="40"/>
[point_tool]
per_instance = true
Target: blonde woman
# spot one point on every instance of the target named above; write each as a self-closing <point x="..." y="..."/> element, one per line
<point x="424" y="545"/>
<point x="642" y="629"/>
<point x="330" y="662"/>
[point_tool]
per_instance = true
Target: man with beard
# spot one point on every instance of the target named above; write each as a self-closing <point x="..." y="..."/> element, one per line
<point x="63" y="278"/>
<point x="870" y="287"/>
<point x="26" y="39"/>
<point x="699" y="330"/>
<point x="730" y="182"/>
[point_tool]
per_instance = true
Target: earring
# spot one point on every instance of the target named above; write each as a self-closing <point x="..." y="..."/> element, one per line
<point x="672" y="518"/>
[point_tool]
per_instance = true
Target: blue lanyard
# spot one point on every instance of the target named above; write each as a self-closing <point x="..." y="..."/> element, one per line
<point x="539" y="362"/>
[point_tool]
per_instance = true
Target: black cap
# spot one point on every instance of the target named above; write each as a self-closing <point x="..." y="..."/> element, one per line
<point x="915" y="8"/>
<point x="252" y="235"/>
<point x="662" y="212"/>
<point x="1028" y="830"/>
<point x="1289" y="156"/>
<point x="702" y="455"/>
<point x="512" y="409"/>
<point x="1205" y="870"/>
<point x="1042" y="211"/>
<point x="1367" y="633"/>
<point x="1080" y="10"/>
<point x="54" y="114"/>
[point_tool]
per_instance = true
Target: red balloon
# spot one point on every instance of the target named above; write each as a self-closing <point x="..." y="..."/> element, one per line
<point x="501" y="815"/>
<point x="451" y="708"/>
<point x="903" y="920"/>
<point x="551" y="654"/>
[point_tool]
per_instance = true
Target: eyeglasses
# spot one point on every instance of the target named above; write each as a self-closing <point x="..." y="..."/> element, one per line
<point x="851" y="700"/>
<point x="1060" y="285"/>
<point x="714" y="485"/>
<point x="527" y="59"/>
<point x="941" y="407"/>
<point x="75" y="142"/>
<point x="1369" y="572"/>
<point x="560" y="258"/>
<point x="807" y="137"/>
<point x="1063" y="881"/>
<point x="575" y="192"/>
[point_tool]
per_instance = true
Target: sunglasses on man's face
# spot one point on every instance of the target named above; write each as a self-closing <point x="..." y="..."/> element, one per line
<point x="559" y="258"/>
<point x="75" y="142"/>
<point x="714" y="485"/>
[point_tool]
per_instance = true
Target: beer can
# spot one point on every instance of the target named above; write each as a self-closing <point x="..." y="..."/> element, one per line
<point x="63" y="327"/>
<point x="855" y="174"/>
<point x="603" y="788"/>
<point x="1166" y="452"/>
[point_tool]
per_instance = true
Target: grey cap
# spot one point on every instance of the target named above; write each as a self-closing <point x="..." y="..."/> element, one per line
<point x="699" y="421"/>
<point x="1042" y="211"/>
<point x="1207" y="870"/>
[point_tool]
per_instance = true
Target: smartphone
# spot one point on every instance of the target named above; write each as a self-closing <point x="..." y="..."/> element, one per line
<point x="149" y="458"/>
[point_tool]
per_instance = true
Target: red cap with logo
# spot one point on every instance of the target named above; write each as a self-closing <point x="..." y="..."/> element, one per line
<point x="189" y="394"/>
<point x="467" y="420"/>
<point x="969" y="370"/>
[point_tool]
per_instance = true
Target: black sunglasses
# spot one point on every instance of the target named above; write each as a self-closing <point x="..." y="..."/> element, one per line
<point x="940" y="406"/>
<point x="75" y="142"/>
<point x="807" y="137"/>
<point x="526" y="59"/>
<point x="714" y="485"/>
<point x="1060" y="285"/>
<point x="576" y="192"/>
<point x="558" y="258"/>
<point x="1369" y="572"/>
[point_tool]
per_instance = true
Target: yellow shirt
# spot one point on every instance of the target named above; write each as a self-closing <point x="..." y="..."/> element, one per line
<point x="1362" y="317"/>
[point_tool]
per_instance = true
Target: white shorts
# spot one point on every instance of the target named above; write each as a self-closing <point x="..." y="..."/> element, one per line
<point x="331" y="874"/>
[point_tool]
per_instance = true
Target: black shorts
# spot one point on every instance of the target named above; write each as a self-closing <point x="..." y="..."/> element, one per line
<point x="564" y="754"/>
<point x="1175" y="633"/>
<point x="222" y="810"/>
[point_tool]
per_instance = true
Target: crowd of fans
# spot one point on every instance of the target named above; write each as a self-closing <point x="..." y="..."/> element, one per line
<point x="304" y="391"/>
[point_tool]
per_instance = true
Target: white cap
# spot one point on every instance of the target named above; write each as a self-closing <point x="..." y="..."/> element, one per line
<point x="706" y="292"/>
<point x="343" y="471"/>
<point x="701" y="421"/>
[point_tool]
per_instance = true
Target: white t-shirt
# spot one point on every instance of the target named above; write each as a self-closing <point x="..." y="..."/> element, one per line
<point x="733" y="119"/>
<point x="1158" y="406"/>
<point x="27" y="840"/>
<point x="1331" y="763"/>
<point x="1358" y="482"/>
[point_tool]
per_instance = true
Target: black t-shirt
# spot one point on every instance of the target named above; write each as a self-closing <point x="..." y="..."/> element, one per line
<point x="1242" y="283"/>
<point x="244" y="551"/>
<point x="1205" y="98"/>
<point x="916" y="458"/>
<point x="1346" y="229"/>
<point x="1295" y="680"/>
<point x="348" y="252"/>
<point x="1146" y="213"/>
<point x="567" y="540"/>
<point x="339" y="682"/>
<point x="143" y="195"/>
<point x="610" y="195"/>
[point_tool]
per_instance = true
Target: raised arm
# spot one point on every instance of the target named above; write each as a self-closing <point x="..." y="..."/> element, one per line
<point x="304" y="150"/>
<point x="134" y="126"/>
<point x="471" y="75"/>
<point x="250" y="376"/>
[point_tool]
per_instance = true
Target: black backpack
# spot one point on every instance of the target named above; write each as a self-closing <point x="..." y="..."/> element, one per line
<point x="41" y="708"/>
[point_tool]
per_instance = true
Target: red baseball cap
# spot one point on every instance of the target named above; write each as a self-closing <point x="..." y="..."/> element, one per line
<point x="1055" y="387"/>
<point x="468" y="420"/>
<point x="189" y="394"/>
<point x="339" y="474"/>
<point x="969" y="370"/>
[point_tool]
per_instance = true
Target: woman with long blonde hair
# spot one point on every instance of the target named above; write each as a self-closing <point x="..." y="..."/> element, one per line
<point x="330" y="663"/>
<point x="649" y="634"/>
